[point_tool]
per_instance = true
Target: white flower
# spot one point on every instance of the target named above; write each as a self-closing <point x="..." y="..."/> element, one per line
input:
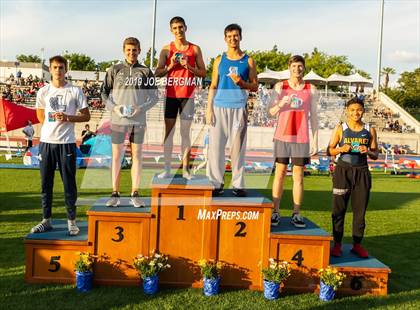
<point x="160" y="265"/>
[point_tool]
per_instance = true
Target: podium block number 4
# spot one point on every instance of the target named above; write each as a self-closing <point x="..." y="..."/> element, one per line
<point x="298" y="257"/>
<point x="54" y="263"/>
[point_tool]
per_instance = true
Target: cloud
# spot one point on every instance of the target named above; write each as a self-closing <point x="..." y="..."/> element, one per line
<point x="405" y="57"/>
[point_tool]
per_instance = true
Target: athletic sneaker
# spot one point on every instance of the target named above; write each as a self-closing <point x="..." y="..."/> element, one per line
<point x="218" y="191"/>
<point x="186" y="175"/>
<point x="44" y="226"/>
<point x="297" y="220"/>
<point x="238" y="192"/>
<point x="73" y="229"/>
<point x="275" y="219"/>
<point x="336" y="250"/>
<point x="114" y="201"/>
<point x="165" y="174"/>
<point x="359" y="250"/>
<point x="136" y="200"/>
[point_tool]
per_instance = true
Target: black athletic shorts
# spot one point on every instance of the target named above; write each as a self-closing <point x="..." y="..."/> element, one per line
<point x="136" y="133"/>
<point x="182" y="106"/>
<point x="297" y="152"/>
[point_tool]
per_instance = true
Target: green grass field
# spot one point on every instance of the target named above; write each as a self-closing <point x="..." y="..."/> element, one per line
<point x="392" y="235"/>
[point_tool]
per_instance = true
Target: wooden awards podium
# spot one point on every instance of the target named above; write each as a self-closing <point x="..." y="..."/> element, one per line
<point x="183" y="220"/>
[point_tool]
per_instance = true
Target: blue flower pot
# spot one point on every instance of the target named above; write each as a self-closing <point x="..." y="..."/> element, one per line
<point x="326" y="292"/>
<point x="211" y="286"/>
<point x="84" y="281"/>
<point x="271" y="290"/>
<point x="150" y="284"/>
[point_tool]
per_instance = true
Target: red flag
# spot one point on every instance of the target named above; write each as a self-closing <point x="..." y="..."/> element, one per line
<point x="13" y="116"/>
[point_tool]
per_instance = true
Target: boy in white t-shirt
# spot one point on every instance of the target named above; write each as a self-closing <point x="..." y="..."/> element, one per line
<point x="58" y="106"/>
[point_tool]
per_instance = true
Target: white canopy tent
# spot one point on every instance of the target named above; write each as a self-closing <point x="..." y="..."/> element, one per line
<point x="357" y="79"/>
<point x="336" y="79"/>
<point x="314" y="78"/>
<point x="272" y="77"/>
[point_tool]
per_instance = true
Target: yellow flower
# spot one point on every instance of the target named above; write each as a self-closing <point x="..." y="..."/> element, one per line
<point x="219" y="265"/>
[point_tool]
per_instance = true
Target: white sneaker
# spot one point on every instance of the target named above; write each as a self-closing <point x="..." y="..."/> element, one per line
<point x="165" y="174"/>
<point x="73" y="229"/>
<point x="186" y="175"/>
<point x="136" y="200"/>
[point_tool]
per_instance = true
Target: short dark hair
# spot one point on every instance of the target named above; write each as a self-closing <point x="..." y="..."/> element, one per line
<point x="296" y="58"/>
<point x="177" y="19"/>
<point x="131" y="41"/>
<point x="60" y="59"/>
<point x="233" y="27"/>
<point x="355" y="100"/>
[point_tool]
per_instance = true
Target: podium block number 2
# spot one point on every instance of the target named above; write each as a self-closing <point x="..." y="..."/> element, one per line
<point x="119" y="233"/>
<point x="54" y="263"/>
<point x="240" y="232"/>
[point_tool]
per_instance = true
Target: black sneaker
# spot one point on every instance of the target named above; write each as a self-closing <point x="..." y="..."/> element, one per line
<point x="44" y="226"/>
<point x="275" y="219"/>
<point x="297" y="220"/>
<point x="114" y="201"/>
<point x="218" y="191"/>
<point x="238" y="192"/>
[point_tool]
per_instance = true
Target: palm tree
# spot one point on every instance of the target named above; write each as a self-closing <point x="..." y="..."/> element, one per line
<point x="387" y="71"/>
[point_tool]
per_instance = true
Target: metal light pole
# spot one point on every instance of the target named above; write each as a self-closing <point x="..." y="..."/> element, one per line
<point x="381" y="26"/>
<point x="152" y="49"/>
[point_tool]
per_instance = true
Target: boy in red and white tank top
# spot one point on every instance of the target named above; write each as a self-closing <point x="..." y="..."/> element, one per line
<point x="182" y="63"/>
<point x="295" y="104"/>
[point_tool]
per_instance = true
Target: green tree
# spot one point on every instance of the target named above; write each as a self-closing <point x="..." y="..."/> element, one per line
<point x="387" y="71"/>
<point x="104" y="65"/>
<point x="80" y="62"/>
<point x="363" y="73"/>
<point x="146" y="60"/>
<point x="28" y="58"/>
<point x="407" y="93"/>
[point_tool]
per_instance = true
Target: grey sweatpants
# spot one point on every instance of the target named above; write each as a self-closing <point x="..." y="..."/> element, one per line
<point x="230" y="126"/>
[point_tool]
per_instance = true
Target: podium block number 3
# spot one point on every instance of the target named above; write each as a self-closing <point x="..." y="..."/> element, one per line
<point x="119" y="233"/>
<point x="54" y="263"/>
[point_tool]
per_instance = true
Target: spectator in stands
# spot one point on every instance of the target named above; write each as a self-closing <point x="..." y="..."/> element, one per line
<point x="87" y="134"/>
<point x="19" y="77"/>
<point x="29" y="132"/>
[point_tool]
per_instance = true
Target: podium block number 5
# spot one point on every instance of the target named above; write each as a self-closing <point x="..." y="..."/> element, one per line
<point x="54" y="262"/>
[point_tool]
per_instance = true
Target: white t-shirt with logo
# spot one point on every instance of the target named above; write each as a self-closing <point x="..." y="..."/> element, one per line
<point x="67" y="99"/>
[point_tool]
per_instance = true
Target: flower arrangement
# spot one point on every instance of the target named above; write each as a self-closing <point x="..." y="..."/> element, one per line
<point x="210" y="269"/>
<point x="332" y="277"/>
<point x="276" y="272"/>
<point x="85" y="262"/>
<point x="148" y="266"/>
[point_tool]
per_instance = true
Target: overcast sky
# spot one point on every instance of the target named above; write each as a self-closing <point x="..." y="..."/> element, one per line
<point x="97" y="28"/>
